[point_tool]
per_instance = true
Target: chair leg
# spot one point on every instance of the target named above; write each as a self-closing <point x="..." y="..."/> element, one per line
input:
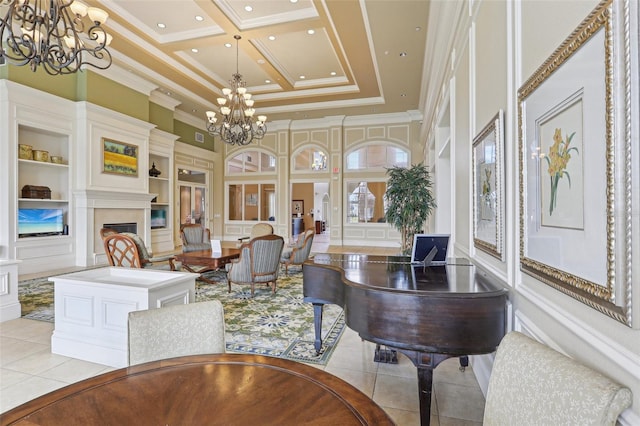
<point x="253" y="287"/>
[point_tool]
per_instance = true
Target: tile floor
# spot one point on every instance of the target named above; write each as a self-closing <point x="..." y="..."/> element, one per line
<point x="28" y="369"/>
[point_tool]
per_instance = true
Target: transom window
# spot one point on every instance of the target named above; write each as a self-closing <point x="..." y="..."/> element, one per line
<point x="310" y="159"/>
<point x="251" y="161"/>
<point x="377" y="156"/>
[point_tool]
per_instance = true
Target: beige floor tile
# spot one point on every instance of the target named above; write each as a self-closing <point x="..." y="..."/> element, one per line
<point x="73" y="370"/>
<point x="363" y="381"/>
<point x="460" y="402"/>
<point x="15" y="349"/>
<point x="11" y="377"/>
<point x="27" y="390"/>
<point x="407" y="418"/>
<point x="396" y="392"/>
<point x="37" y="363"/>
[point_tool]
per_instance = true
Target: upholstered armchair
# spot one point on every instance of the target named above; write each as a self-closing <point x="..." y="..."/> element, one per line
<point x="258" y="262"/>
<point x="180" y="330"/>
<point x="531" y="384"/>
<point x="258" y="230"/>
<point x="195" y="237"/>
<point x="128" y="250"/>
<point x="299" y="252"/>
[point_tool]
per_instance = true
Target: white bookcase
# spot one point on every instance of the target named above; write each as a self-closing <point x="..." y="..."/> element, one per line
<point x="161" y="148"/>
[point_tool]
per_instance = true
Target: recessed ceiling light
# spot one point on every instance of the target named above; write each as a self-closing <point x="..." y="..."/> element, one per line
<point x="194" y="110"/>
<point x="199" y="18"/>
<point x="161" y="25"/>
<point x="227" y="45"/>
<point x="302" y="77"/>
<point x="194" y="50"/>
<point x="272" y="38"/>
<point x="267" y="81"/>
<point x="261" y="61"/>
<point x="311" y="32"/>
<point x="403" y="95"/>
<point x="403" y="54"/>
<point x="293" y="1"/>
<point x="333" y="73"/>
<point x="248" y="8"/>
<point x="418" y="28"/>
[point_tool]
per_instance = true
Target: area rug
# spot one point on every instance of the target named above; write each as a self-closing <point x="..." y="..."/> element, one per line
<point x="278" y="325"/>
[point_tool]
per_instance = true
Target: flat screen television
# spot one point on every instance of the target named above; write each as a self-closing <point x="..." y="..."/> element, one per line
<point x="40" y="222"/>
<point x="158" y="219"/>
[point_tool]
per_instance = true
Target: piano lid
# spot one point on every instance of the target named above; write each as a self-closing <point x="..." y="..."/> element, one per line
<point x="396" y="273"/>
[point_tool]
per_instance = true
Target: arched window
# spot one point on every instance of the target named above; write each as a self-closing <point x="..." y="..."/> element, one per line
<point x="377" y="156"/>
<point x="251" y="161"/>
<point x="310" y="159"/>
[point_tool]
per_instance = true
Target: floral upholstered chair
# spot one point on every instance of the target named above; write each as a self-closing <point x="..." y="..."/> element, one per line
<point x="180" y="330"/>
<point x="531" y="384"/>
<point x="299" y="252"/>
<point x="195" y="237"/>
<point x="259" y="262"/>
<point x="128" y="250"/>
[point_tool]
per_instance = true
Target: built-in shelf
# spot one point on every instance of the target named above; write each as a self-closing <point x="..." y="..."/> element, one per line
<point x="41" y="200"/>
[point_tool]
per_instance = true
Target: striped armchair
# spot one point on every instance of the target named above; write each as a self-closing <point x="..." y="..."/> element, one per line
<point x="195" y="237"/>
<point x="258" y="262"/>
<point x="297" y="254"/>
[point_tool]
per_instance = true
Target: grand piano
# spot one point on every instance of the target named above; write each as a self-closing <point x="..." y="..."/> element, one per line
<point x="428" y="313"/>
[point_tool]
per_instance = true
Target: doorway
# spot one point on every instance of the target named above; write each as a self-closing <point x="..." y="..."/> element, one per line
<point x="314" y="199"/>
<point x="192" y="187"/>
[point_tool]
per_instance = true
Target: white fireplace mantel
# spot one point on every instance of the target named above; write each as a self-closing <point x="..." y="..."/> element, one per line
<point x="105" y="199"/>
<point x="87" y="202"/>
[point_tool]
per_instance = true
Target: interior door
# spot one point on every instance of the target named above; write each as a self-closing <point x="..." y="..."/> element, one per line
<point x="192" y="200"/>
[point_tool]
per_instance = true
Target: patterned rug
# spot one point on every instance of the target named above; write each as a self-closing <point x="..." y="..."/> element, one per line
<point x="278" y="325"/>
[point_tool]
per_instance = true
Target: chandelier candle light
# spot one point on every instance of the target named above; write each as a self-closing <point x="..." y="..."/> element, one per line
<point x="54" y="34"/>
<point x="237" y="126"/>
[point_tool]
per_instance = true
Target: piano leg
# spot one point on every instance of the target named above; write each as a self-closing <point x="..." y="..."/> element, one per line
<point x="317" y="326"/>
<point x="426" y="363"/>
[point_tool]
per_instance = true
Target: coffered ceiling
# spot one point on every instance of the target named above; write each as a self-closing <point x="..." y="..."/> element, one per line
<point x="300" y="59"/>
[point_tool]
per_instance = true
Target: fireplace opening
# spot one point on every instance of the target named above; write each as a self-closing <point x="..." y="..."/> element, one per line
<point x="122" y="227"/>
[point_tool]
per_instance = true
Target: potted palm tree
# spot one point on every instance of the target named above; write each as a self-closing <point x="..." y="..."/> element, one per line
<point x="409" y="201"/>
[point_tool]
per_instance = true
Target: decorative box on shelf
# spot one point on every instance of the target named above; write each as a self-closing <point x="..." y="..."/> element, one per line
<point x="33" y="191"/>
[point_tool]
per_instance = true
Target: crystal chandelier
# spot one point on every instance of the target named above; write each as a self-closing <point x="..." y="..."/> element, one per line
<point x="237" y="126"/>
<point x="52" y="34"/>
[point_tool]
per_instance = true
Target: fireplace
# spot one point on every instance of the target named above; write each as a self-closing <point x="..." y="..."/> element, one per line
<point x="122" y="211"/>
<point x="131" y="227"/>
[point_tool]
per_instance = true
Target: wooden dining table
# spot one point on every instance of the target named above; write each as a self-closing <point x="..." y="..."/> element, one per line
<point x="204" y="261"/>
<point x="217" y="389"/>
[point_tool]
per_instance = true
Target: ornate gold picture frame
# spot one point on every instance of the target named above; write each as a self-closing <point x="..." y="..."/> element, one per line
<point x="575" y="208"/>
<point x="488" y="187"/>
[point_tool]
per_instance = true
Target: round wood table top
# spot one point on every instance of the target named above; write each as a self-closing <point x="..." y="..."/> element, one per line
<point x="229" y="389"/>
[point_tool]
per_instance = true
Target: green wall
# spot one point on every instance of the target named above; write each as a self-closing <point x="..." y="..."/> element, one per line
<point x="161" y="117"/>
<point x="59" y="85"/>
<point x="93" y="88"/>
<point x="187" y="135"/>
